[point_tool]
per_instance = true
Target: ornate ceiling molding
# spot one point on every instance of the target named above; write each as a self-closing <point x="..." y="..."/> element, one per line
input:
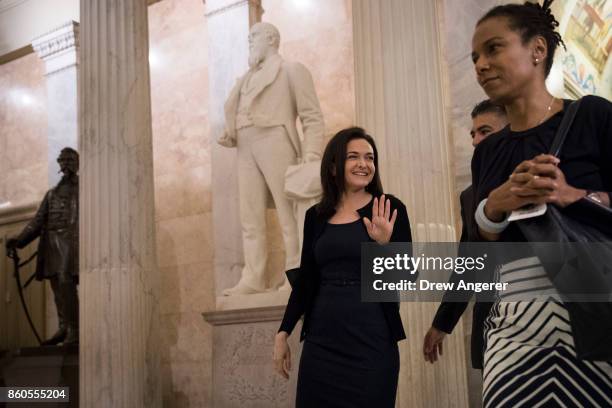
<point x="57" y="40"/>
<point x="58" y="48"/>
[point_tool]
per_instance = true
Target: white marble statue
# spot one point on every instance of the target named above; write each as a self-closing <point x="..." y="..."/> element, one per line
<point x="260" y="120"/>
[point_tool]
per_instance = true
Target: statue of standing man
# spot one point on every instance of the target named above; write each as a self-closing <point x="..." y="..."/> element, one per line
<point x="57" y="224"/>
<point x="260" y="120"/>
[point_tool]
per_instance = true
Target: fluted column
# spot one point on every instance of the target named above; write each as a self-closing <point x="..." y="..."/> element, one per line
<point x="59" y="50"/>
<point x="400" y="99"/>
<point x="119" y="358"/>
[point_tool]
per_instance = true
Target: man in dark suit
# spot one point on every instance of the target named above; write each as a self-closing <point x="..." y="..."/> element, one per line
<point x="487" y="118"/>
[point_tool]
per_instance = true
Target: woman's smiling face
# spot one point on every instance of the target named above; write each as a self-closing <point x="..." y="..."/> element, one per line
<point x="359" y="166"/>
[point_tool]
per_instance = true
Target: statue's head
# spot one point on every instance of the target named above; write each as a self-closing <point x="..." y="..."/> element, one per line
<point x="68" y="161"/>
<point x="264" y="40"/>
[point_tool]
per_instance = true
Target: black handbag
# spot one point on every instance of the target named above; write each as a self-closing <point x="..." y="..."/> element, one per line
<point x="571" y="266"/>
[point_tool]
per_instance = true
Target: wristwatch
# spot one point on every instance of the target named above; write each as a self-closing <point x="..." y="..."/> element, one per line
<point x="593" y="195"/>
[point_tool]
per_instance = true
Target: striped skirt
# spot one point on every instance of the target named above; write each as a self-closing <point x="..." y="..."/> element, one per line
<point x="530" y="360"/>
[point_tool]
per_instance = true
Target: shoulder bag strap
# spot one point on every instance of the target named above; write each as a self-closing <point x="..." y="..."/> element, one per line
<point x="564" y="128"/>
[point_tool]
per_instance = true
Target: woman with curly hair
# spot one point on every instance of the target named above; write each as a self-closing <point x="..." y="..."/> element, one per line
<point x="531" y="356"/>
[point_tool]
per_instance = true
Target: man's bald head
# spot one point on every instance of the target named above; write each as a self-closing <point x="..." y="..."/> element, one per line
<point x="269" y="31"/>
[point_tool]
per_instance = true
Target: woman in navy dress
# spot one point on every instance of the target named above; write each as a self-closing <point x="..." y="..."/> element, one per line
<point x="350" y="356"/>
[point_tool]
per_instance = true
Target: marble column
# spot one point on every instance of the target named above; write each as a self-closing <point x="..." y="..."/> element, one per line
<point x="59" y="50"/>
<point x="400" y="99"/>
<point x="459" y="21"/>
<point x="228" y="22"/>
<point x="119" y="310"/>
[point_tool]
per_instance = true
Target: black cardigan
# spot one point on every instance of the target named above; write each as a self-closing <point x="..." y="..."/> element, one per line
<point x="305" y="279"/>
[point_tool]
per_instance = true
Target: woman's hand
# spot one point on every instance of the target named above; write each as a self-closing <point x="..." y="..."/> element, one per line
<point x="282" y="354"/>
<point x="542" y="178"/>
<point x="535" y="181"/>
<point x="503" y="200"/>
<point x="380" y="227"/>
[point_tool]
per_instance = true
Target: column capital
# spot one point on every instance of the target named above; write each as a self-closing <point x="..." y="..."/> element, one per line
<point x="58" y="48"/>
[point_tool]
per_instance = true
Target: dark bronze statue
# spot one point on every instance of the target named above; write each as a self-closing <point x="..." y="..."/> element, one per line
<point x="57" y="224"/>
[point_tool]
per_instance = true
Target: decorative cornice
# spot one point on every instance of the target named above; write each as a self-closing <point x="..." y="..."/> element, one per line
<point x="63" y="38"/>
<point x="254" y="3"/>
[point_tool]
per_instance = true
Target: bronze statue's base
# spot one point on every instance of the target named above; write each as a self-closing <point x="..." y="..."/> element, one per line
<point x="49" y="366"/>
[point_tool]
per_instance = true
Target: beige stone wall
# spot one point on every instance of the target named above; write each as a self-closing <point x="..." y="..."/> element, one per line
<point x="319" y="35"/>
<point x="181" y="153"/>
<point x="23" y="131"/>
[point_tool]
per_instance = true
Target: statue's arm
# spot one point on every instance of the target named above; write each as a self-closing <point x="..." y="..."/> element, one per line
<point x="308" y="109"/>
<point x="228" y="137"/>
<point x="34" y="227"/>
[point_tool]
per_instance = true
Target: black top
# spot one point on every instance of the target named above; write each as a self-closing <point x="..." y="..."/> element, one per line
<point x="586" y="162"/>
<point x="306" y="279"/>
<point x="338" y="251"/>
<point x="586" y="157"/>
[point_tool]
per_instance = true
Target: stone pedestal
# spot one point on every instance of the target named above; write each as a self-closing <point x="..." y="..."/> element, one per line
<point x="400" y="100"/>
<point x="243" y="370"/>
<point x="257" y="300"/>
<point x="59" y="50"/>
<point x="119" y="356"/>
<point x="42" y="367"/>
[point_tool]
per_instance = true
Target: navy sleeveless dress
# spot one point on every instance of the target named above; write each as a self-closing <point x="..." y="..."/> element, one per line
<point x="349" y="358"/>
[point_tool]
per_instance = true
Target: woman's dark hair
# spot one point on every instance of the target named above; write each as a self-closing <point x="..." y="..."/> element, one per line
<point x="531" y="19"/>
<point x="332" y="169"/>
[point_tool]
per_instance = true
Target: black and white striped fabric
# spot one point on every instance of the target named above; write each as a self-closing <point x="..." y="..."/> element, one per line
<point x="530" y="360"/>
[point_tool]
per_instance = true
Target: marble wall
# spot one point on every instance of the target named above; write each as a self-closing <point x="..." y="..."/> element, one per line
<point x="181" y="150"/>
<point x="319" y="35"/>
<point x="23" y="131"/>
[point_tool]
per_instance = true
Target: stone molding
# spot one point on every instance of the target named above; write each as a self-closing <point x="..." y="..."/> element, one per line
<point x="17" y="213"/>
<point x="239" y="316"/>
<point x="58" y="48"/>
